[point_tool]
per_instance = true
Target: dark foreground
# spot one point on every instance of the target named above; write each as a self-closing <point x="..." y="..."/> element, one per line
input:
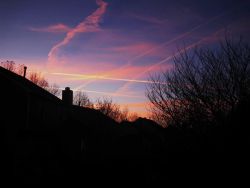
<point x="48" y="142"/>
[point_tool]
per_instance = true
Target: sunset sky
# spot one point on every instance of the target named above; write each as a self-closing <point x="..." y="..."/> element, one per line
<point x="109" y="48"/>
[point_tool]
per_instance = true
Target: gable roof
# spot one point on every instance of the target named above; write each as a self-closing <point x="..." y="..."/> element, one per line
<point x="25" y="85"/>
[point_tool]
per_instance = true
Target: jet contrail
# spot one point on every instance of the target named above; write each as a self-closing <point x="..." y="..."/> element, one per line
<point x="104" y="93"/>
<point x="110" y="94"/>
<point x="176" y="38"/>
<point x="91" y="23"/>
<point x="96" y="77"/>
<point x="164" y="45"/>
<point x="167" y="59"/>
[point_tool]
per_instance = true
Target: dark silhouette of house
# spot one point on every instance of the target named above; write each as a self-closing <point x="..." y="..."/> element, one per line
<point x="33" y="121"/>
<point x="46" y="138"/>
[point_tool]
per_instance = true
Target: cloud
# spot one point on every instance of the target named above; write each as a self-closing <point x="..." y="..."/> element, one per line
<point x="57" y="28"/>
<point x="89" y="24"/>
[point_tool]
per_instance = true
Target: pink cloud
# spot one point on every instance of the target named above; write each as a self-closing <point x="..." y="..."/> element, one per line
<point x="90" y="24"/>
<point x="57" y="28"/>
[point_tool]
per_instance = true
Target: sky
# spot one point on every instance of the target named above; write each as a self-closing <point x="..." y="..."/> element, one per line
<point x="109" y="48"/>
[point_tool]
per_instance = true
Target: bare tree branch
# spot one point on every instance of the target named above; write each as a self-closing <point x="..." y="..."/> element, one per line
<point x="203" y="87"/>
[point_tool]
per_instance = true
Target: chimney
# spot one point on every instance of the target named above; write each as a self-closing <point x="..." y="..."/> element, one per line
<point x="24" y="71"/>
<point x="67" y="96"/>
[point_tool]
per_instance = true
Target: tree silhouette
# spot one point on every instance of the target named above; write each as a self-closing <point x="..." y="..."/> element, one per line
<point x="54" y="89"/>
<point x="203" y="87"/>
<point x="114" y="111"/>
<point x="34" y="77"/>
<point x="82" y="99"/>
<point x="38" y="79"/>
<point x="108" y="108"/>
<point x="132" y="116"/>
<point x="9" y="65"/>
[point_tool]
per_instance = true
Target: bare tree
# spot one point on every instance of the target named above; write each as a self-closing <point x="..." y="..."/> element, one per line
<point x="114" y="111"/>
<point x="54" y="89"/>
<point x="20" y="69"/>
<point x="203" y="86"/>
<point x="132" y="116"/>
<point x="82" y="99"/>
<point x="12" y="66"/>
<point x="123" y="114"/>
<point x="35" y="77"/>
<point x="108" y="108"/>
<point x="9" y="65"/>
<point x="38" y="79"/>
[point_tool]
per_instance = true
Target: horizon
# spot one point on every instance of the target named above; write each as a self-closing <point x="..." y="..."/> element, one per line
<point x="109" y="48"/>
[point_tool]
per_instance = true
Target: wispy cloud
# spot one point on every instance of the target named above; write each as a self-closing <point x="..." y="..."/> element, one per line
<point x="57" y="28"/>
<point x="89" y="24"/>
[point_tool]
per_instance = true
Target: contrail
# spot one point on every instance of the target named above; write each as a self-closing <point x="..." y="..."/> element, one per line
<point x="104" y="93"/>
<point x="90" y="24"/>
<point x="168" y="58"/>
<point x="165" y="44"/>
<point x="177" y="53"/>
<point x="176" y="38"/>
<point x="96" y="77"/>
